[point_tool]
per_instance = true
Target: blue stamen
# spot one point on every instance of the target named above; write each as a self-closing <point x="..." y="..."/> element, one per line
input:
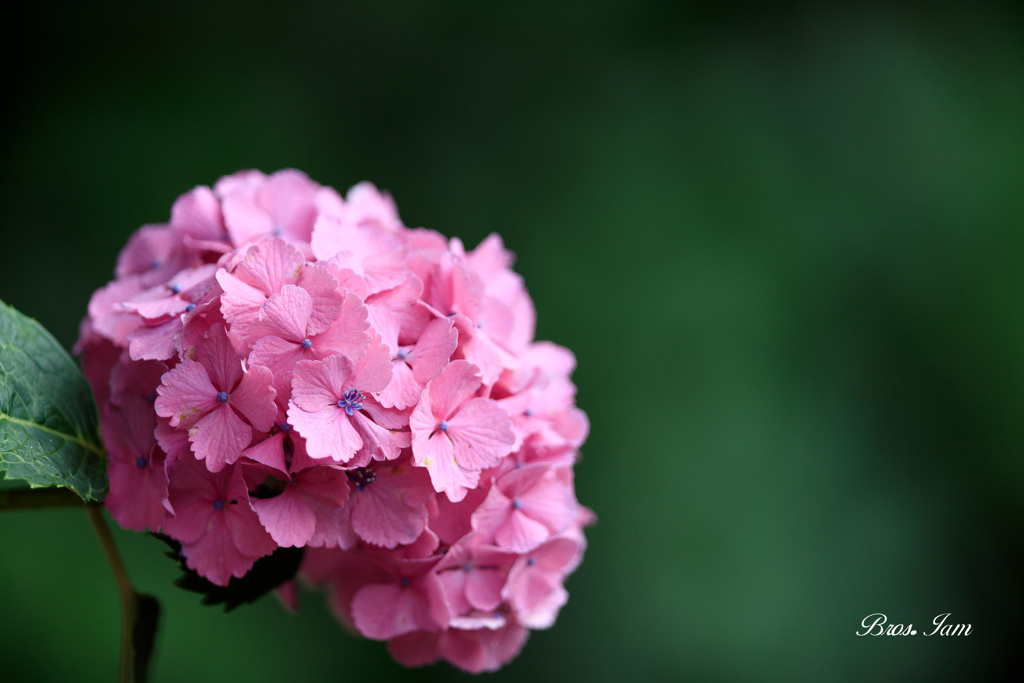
<point x="516" y="505"/>
<point x="468" y="566"/>
<point x="530" y="562"/>
<point x="155" y="264"/>
<point x="175" y="289"/>
<point x="188" y="309"/>
<point x="361" y="477"/>
<point x="218" y="504"/>
<point x="443" y="425"/>
<point x="306" y="343"/>
<point x="404" y="583"/>
<point x="141" y="463"/>
<point x="528" y="413"/>
<point x="351" y="401"/>
<point x="152" y="396"/>
<point x="403" y="354"/>
<point x="222" y="396"/>
<point x="285" y="427"/>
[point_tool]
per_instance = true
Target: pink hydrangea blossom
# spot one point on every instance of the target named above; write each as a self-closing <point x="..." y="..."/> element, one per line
<point x="456" y="434"/>
<point x="217" y="400"/>
<point x="279" y="366"/>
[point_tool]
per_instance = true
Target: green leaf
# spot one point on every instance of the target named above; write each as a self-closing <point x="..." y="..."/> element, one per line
<point x="266" y="574"/>
<point x="49" y="429"/>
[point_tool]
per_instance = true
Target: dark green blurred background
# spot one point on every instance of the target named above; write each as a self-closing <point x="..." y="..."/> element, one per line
<point x="785" y="245"/>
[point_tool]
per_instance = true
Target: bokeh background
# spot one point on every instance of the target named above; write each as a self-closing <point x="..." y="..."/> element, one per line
<point x="784" y="242"/>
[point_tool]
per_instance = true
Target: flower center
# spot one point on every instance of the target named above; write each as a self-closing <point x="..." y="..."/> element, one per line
<point x="443" y="425"/>
<point x="222" y="397"/>
<point x="402" y="354"/>
<point x="361" y="477"/>
<point x="175" y="289"/>
<point x="218" y="504"/>
<point x="351" y="401"/>
<point x="141" y="462"/>
<point x="307" y="343"/>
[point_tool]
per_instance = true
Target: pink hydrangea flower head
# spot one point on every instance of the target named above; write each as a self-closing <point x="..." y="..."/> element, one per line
<point x="282" y="366"/>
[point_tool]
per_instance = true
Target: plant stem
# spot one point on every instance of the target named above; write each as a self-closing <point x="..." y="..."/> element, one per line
<point x="129" y="604"/>
<point x="34" y="499"/>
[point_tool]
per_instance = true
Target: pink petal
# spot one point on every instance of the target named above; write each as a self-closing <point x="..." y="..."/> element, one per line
<point x="318" y="384"/>
<point x="557" y="556"/>
<point x="214" y="555"/>
<point x="269" y="452"/>
<point x="240" y="302"/>
<point x="481" y="434"/>
<point x="417" y="648"/>
<point x="147" y="253"/>
<point x="436" y="455"/>
<point x="373" y="368"/>
<point x="381" y="443"/>
<point x="254" y="398"/>
<point x="219" y="437"/>
<point x="154" y="342"/>
<point x="197" y="214"/>
<point x="519" y="533"/>
<point x="279" y="356"/>
<point x="347" y="334"/>
<point x="403" y="390"/>
<point x="318" y="281"/>
<point x="245" y="219"/>
<point x="185" y="394"/>
<point x="241" y="180"/>
<point x="270" y="265"/>
<point x="287" y="517"/>
<point x="479" y="349"/>
<point x="218" y="353"/>
<point x="383" y="611"/>
<point x="285" y="314"/>
<point x="191" y="490"/>
<point x="381" y="516"/>
<point x="330" y="236"/>
<point x="137" y="494"/>
<point x="457" y="383"/>
<point x="247" y="534"/>
<point x="329" y="432"/>
<point x="551" y="503"/>
<point x="156" y="303"/>
<point x="451" y="521"/>
<point x="483" y="588"/>
<point x="323" y="487"/>
<point x="385" y="524"/>
<point x="389" y="418"/>
<point x="431" y="353"/>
